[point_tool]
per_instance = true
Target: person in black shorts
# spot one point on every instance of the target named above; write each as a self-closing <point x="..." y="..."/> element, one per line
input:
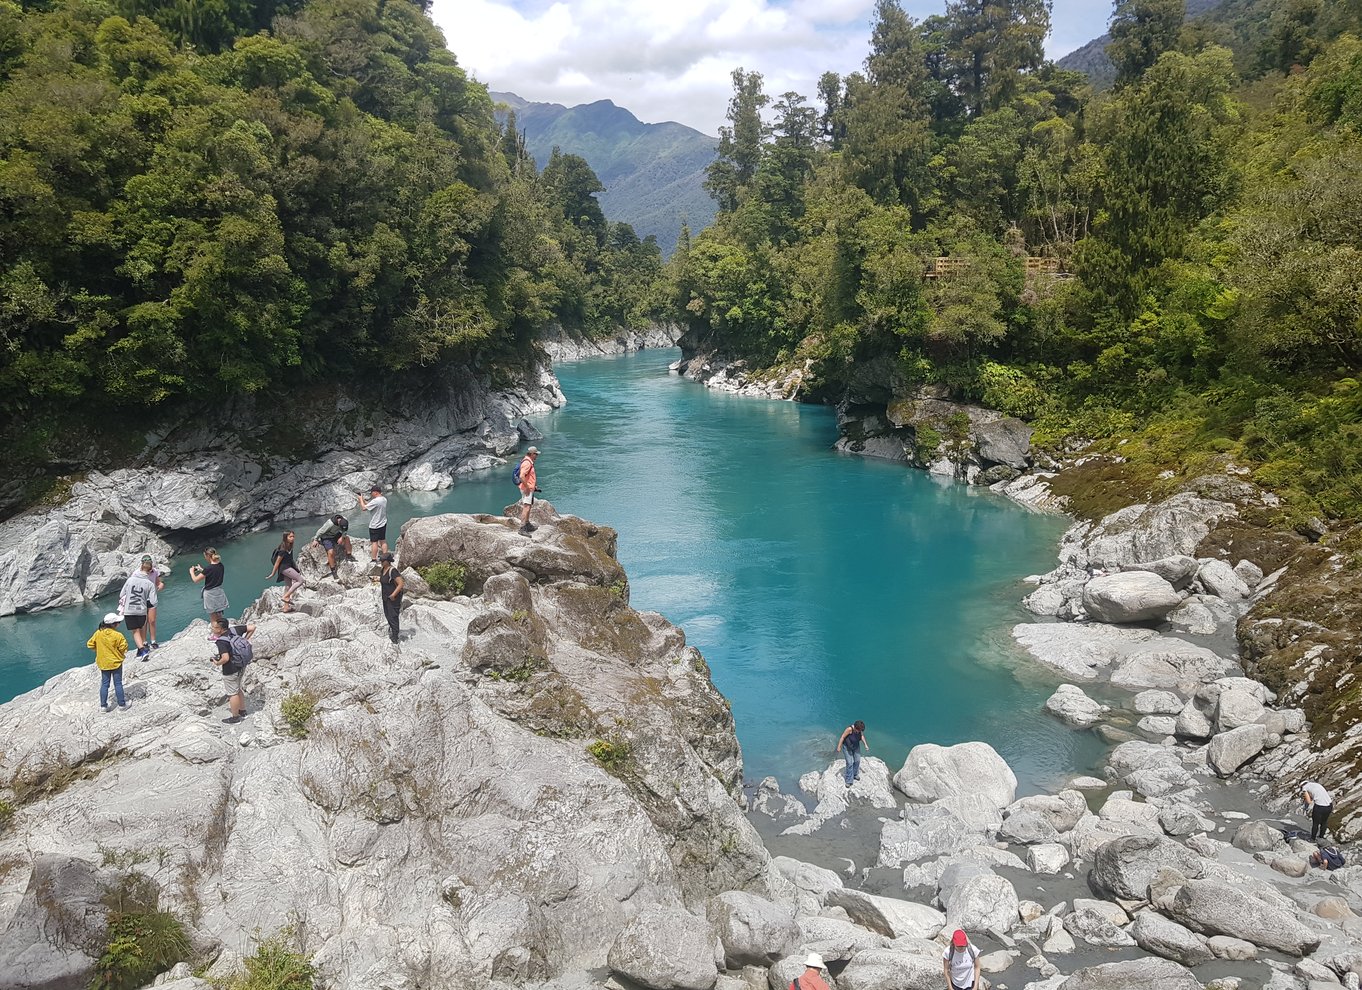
<point x="390" y="586"/>
<point x="377" y="506"/>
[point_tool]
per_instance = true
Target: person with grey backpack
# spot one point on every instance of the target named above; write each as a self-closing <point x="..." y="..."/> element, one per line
<point x="234" y="654"/>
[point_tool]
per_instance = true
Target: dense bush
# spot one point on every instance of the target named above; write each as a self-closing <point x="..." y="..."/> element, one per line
<point x="445" y="577"/>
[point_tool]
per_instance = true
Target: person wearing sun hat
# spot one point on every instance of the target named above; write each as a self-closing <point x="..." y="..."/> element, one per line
<point x="110" y="647"/>
<point x="960" y="962"/>
<point x="812" y="977"/>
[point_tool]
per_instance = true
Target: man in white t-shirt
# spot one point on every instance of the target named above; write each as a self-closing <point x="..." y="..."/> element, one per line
<point x="960" y="962"/>
<point x="1320" y="804"/>
<point x="378" y="521"/>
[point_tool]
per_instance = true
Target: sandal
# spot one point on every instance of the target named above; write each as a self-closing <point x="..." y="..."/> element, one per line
<point x="288" y="607"/>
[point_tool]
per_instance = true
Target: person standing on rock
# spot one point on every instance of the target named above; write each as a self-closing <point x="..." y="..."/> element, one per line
<point x="853" y="738"/>
<point x="377" y="506"/>
<point x="529" y="484"/>
<point x="136" y="600"/>
<point x="960" y="962"/>
<point x="286" y="569"/>
<point x="233" y="673"/>
<point x="331" y="535"/>
<point x="812" y="977"/>
<point x="149" y="566"/>
<point x="390" y="586"/>
<point x="214" y="595"/>
<point x="1319" y="803"/>
<point x="110" y="648"/>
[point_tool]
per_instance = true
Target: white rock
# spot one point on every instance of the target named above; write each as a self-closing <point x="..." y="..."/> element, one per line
<point x="931" y="772"/>
<point x="982" y="902"/>
<point x="1130" y="596"/>
<point x="1070" y="704"/>
<point x="1231" y="750"/>
<point x="1047" y="859"/>
<point x="1219" y="579"/>
<point x="1157" y="703"/>
<point x="889" y="916"/>
<point x="1078" y="651"/>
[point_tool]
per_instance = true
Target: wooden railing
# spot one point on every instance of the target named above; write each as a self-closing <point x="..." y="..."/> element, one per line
<point x="946" y="267"/>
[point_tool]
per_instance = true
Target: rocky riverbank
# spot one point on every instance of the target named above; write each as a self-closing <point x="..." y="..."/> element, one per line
<point x="197" y="483"/>
<point x="560" y="345"/>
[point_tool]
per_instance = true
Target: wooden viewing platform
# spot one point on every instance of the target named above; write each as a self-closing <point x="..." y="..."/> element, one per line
<point x="945" y="267"/>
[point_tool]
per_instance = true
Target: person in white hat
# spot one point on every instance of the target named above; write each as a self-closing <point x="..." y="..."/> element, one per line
<point x="110" y="647"/>
<point x="812" y="977"/>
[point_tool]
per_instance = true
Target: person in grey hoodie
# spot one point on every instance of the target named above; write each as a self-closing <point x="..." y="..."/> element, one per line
<point x="137" y="598"/>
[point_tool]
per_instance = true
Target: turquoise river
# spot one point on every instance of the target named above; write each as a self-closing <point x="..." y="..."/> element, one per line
<point x="822" y="588"/>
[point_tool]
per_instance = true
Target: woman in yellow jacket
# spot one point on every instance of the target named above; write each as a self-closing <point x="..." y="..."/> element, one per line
<point x="110" y="648"/>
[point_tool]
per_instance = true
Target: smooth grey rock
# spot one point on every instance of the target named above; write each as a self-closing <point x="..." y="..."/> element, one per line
<point x="1157" y="703"/>
<point x="1213" y="907"/>
<point x="1180" y="819"/>
<point x="875" y="969"/>
<point x="1231" y="750"/>
<point x="1096" y="930"/>
<point x="1194" y="616"/>
<point x="54" y="935"/>
<point x="931" y="772"/>
<point x="1129" y="596"/>
<point x="1133" y="974"/>
<point x="1124" y="867"/>
<point x="837" y="940"/>
<point x="1249" y="572"/>
<point x="1157" y="725"/>
<point x="1048" y="599"/>
<point x="889" y="916"/>
<point x="1107" y="909"/>
<point x="1006" y="441"/>
<point x="1173" y="527"/>
<point x="1228" y="947"/>
<point x="1026" y="827"/>
<point x="812" y="881"/>
<point x="1168" y="663"/>
<point x="1155" y="933"/>
<point x="979" y="903"/>
<point x="666" y="948"/>
<point x="1070" y="704"/>
<point x="1078" y="651"/>
<point x="1234" y="708"/>
<point x="1258" y="837"/>
<point x="1193" y="723"/>
<point x="1177" y="570"/>
<point x="753" y="930"/>
<point x="904" y="840"/>
<point x="1219" y="579"/>
<point x="1047" y="859"/>
<point x="1062" y="810"/>
<point x="1120" y="806"/>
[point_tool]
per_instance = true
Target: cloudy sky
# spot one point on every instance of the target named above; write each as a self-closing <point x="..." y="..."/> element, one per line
<point x="671" y="59"/>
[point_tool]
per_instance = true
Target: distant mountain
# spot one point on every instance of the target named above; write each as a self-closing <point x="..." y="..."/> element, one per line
<point x="1092" y="61"/>
<point x="653" y="173"/>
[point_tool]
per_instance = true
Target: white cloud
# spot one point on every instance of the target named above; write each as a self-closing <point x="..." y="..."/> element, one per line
<point x="672" y="59"/>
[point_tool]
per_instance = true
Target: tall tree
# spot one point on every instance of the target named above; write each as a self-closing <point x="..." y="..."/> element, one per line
<point x="994" y="41"/>
<point x="740" y="142"/>
<point x="1141" y="31"/>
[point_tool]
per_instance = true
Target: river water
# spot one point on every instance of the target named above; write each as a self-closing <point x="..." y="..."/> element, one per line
<point x="821" y="588"/>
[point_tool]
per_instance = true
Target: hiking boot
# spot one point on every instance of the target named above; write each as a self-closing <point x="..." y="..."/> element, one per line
<point x="233" y="720"/>
<point x="334" y="574"/>
<point x="144" y="653"/>
<point x="155" y="645"/>
<point x="528" y="528"/>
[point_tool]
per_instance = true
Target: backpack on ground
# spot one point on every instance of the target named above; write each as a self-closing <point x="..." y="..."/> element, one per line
<point x="242" y="650"/>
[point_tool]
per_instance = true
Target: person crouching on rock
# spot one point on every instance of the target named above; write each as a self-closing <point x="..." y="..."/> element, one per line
<point x="286" y="569"/>
<point x="214" y="595"/>
<point x="331" y="536"/>
<point x="960" y="962"/>
<point x="853" y="738"/>
<point x="390" y="585"/>
<point x="1319" y="804"/>
<point x="230" y="662"/>
<point x="110" y="648"/>
<point x="529" y="484"/>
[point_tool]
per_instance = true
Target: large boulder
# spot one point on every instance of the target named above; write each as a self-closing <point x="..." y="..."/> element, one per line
<point x="1026" y="827"/>
<point x="1078" y="651"/>
<point x="1220" y="579"/>
<point x="892" y="917"/>
<point x="1070" y="704"/>
<point x="931" y="772"/>
<point x="1229" y="751"/>
<point x="1157" y="934"/>
<point x="1133" y="974"/>
<point x="1062" y="810"/>
<point x="1178" y="570"/>
<point x="1234" y="708"/>
<point x="875" y="969"/>
<point x="1129" y="596"/>
<point x="666" y="948"/>
<point x="1157" y="703"/>
<point x="753" y="930"/>
<point x="906" y="840"/>
<point x="981" y="902"/>
<point x="1006" y="441"/>
<point x="811" y="881"/>
<point x="1214" y="907"/>
<point x="1255" y="837"/>
<point x="1124" y="867"/>
<point x="835" y="939"/>
<point x="1171" y="664"/>
<point x="1097" y="929"/>
<point x="1173" y="527"/>
<point x="57" y="928"/>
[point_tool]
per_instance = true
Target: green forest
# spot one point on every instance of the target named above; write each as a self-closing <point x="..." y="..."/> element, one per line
<point x="1203" y="218"/>
<point x="208" y="198"/>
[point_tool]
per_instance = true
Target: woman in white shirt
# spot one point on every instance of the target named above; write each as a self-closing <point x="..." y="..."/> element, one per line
<point x="1320" y="803"/>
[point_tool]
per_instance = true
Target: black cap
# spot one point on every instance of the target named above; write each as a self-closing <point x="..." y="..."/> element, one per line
<point x="386" y="556"/>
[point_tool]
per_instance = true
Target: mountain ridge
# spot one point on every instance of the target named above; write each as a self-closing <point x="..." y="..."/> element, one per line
<point x="653" y="172"/>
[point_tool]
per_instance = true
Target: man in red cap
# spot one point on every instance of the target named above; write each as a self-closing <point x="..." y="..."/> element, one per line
<point x="960" y="962"/>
